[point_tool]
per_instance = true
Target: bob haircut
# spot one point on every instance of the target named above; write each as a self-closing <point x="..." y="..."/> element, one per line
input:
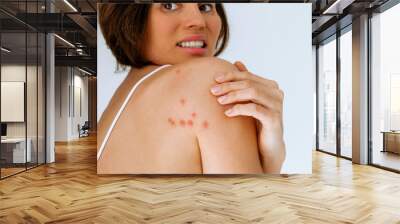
<point x="124" y="26"/>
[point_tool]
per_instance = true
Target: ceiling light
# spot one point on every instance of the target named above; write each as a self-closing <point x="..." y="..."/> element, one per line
<point x="338" y="6"/>
<point x="65" y="41"/>
<point x="5" y="50"/>
<point x="84" y="71"/>
<point x="70" y="5"/>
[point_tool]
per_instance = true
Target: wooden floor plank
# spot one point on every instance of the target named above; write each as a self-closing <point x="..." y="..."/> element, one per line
<point x="70" y="191"/>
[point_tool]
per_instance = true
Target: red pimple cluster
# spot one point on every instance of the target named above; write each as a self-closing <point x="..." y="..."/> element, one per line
<point x="188" y="122"/>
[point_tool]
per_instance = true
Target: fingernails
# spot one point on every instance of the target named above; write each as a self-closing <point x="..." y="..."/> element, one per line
<point x="229" y="112"/>
<point x="215" y="89"/>
<point x="220" y="77"/>
<point x="221" y="99"/>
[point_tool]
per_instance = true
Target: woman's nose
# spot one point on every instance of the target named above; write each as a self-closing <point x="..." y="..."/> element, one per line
<point x="194" y="18"/>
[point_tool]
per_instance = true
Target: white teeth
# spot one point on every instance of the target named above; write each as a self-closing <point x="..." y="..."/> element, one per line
<point x="191" y="44"/>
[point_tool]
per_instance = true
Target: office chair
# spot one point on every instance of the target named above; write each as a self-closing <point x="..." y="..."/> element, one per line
<point x="84" y="130"/>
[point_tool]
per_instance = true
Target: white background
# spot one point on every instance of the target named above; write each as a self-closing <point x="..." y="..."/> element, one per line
<point x="273" y="41"/>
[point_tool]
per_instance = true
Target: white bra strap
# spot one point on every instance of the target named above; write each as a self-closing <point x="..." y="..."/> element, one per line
<point x="123" y="107"/>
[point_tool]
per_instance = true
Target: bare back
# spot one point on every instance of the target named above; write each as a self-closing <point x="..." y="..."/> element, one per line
<point x="172" y="124"/>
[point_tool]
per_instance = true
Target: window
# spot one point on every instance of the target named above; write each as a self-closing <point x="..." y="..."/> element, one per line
<point x="385" y="88"/>
<point x="346" y="93"/>
<point x="327" y="96"/>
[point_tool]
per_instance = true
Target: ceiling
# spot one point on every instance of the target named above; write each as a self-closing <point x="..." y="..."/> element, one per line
<point x="77" y="25"/>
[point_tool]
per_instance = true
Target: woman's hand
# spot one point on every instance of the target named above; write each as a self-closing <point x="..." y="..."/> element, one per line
<point x="254" y="96"/>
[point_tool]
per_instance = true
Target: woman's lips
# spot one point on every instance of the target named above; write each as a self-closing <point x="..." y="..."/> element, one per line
<point x="194" y="51"/>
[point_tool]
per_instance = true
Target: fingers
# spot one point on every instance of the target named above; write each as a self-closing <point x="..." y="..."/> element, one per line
<point x="241" y="86"/>
<point x="245" y="75"/>
<point x="227" y="87"/>
<point x="246" y="90"/>
<point x="250" y="109"/>
<point x="239" y="65"/>
<point x="270" y="99"/>
<point x="232" y="76"/>
<point x="247" y="94"/>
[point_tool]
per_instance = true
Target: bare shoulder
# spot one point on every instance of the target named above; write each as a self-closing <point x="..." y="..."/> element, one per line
<point x="192" y="78"/>
<point x="182" y="93"/>
<point x="186" y="86"/>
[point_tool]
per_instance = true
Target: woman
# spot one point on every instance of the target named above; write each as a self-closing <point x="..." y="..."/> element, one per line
<point x="180" y="109"/>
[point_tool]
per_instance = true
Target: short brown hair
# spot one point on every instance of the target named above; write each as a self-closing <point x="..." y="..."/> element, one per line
<point x="124" y="25"/>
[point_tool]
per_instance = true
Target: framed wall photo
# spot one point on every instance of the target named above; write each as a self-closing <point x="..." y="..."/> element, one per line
<point x="12" y="101"/>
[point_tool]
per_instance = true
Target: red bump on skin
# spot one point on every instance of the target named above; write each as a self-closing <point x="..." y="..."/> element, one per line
<point x="205" y="124"/>
<point x="178" y="71"/>
<point x="182" y="123"/>
<point x="183" y="101"/>
<point x="171" y="121"/>
<point x="190" y="123"/>
<point x="194" y="114"/>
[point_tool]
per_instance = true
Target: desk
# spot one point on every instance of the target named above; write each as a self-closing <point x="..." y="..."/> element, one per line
<point x="391" y="141"/>
<point x="15" y="148"/>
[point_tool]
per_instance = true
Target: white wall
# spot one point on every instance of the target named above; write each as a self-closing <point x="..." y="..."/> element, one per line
<point x="108" y="78"/>
<point x="80" y="83"/>
<point x="274" y="41"/>
<point x="61" y="103"/>
<point x="67" y="117"/>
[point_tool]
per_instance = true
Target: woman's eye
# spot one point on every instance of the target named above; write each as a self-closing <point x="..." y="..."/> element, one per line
<point x="206" y="7"/>
<point x="170" y="6"/>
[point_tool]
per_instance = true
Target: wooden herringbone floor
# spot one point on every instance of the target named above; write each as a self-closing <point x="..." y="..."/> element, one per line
<point x="69" y="191"/>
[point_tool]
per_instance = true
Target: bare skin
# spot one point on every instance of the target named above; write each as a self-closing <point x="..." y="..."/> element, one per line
<point x="173" y="124"/>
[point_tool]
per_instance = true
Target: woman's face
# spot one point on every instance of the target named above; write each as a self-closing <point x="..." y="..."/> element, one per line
<point x="179" y="31"/>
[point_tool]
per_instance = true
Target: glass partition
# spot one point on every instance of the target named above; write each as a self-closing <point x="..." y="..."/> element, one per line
<point x="32" y="86"/>
<point x="31" y="100"/>
<point x="346" y="93"/>
<point x="327" y="96"/>
<point x="22" y="90"/>
<point x="13" y="103"/>
<point x="41" y="85"/>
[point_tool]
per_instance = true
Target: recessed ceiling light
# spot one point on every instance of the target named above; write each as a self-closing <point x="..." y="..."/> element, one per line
<point x="65" y="41"/>
<point x="70" y="5"/>
<point x="337" y="7"/>
<point x="84" y="71"/>
<point x="5" y="50"/>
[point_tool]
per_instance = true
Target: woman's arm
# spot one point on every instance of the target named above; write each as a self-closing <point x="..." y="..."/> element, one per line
<point x="265" y="103"/>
